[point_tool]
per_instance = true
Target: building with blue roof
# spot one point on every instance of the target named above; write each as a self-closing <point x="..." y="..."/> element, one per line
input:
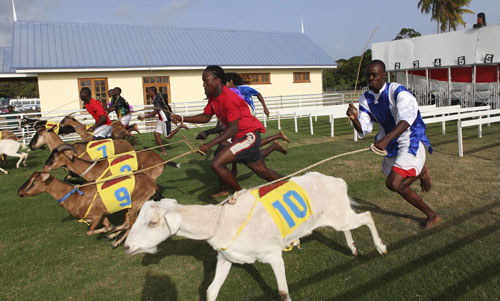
<point x="68" y="56"/>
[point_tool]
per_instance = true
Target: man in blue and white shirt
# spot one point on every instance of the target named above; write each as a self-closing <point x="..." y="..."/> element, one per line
<point x="402" y="135"/>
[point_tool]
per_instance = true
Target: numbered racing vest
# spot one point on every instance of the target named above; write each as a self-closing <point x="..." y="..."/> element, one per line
<point x="116" y="194"/>
<point x="126" y="162"/>
<point x="54" y="126"/>
<point x="101" y="149"/>
<point x="287" y="203"/>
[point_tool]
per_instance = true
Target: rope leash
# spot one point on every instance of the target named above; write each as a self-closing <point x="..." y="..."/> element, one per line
<point x="137" y="171"/>
<point x="311" y="166"/>
<point x="378" y="151"/>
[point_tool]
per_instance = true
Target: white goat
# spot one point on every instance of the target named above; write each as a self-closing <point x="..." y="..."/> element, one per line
<point x="246" y="232"/>
<point x="12" y="148"/>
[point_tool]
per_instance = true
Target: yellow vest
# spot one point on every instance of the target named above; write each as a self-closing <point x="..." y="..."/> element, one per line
<point x="116" y="194"/>
<point x="52" y="125"/>
<point x="288" y="205"/>
<point x="101" y="149"/>
<point x="126" y="162"/>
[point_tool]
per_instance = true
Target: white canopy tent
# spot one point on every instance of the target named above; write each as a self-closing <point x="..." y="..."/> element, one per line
<point x="460" y="66"/>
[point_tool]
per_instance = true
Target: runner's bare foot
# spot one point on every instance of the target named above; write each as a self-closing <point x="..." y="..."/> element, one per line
<point x="429" y="222"/>
<point x="163" y="152"/>
<point x="284" y="137"/>
<point x="279" y="148"/>
<point x="425" y="179"/>
<point x="183" y="126"/>
<point x="219" y="194"/>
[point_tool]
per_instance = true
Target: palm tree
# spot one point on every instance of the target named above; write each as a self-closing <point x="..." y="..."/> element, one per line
<point x="447" y="13"/>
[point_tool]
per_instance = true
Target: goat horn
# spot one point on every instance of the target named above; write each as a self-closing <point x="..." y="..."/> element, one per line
<point x="64" y="147"/>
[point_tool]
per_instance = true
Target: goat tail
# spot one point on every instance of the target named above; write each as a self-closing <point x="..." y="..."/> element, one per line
<point x="173" y="164"/>
<point x="353" y="202"/>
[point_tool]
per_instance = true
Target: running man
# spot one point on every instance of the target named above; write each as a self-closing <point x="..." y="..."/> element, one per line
<point x="402" y="135"/>
<point x="102" y="127"/>
<point x="240" y="125"/>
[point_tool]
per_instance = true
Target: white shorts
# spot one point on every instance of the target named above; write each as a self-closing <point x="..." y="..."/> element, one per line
<point x="161" y="127"/>
<point x="405" y="161"/>
<point x="104" y="131"/>
<point x="125" y="120"/>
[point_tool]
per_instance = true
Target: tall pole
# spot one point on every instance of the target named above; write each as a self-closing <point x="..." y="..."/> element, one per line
<point x="14" y="11"/>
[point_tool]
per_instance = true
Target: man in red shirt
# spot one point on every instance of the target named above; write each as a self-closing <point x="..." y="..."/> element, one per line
<point x="241" y="127"/>
<point x="102" y="127"/>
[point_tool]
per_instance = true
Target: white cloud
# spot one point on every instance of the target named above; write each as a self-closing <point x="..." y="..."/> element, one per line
<point x="125" y="11"/>
<point x="171" y="11"/>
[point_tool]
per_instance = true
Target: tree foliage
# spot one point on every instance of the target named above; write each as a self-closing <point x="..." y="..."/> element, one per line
<point x="406" y="33"/>
<point x="447" y="13"/>
<point x="344" y="76"/>
<point x="13" y="88"/>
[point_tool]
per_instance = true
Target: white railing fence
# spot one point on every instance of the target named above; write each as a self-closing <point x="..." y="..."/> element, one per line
<point x="12" y="122"/>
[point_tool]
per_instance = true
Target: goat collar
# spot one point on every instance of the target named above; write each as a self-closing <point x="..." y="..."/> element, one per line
<point x="69" y="194"/>
<point x="89" y="168"/>
<point x="220" y="218"/>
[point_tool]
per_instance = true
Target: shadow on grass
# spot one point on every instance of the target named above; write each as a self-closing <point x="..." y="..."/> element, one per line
<point x="199" y="250"/>
<point x="454" y="139"/>
<point x="269" y="292"/>
<point x="158" y="287"/>
<point x="484" y="147"/>
<point x="318" y="236"/>
<point x="418" y="263"/>
<point x="408" y="267"/>
<point x="367" y="206"/>
<point x="469" y="283"/>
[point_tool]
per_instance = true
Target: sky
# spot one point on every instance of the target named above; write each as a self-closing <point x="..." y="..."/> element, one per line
<point x="340" y="28"/>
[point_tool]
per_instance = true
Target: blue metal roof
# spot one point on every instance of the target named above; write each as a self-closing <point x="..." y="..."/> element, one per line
<point x="40" y="45"/>
<point x="5" y="60"/>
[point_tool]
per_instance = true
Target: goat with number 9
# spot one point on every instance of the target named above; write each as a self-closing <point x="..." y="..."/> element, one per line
<point x="254" y="225"/>
<point x="91" y="204"/>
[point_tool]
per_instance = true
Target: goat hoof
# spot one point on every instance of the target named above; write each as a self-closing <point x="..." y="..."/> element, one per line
<point x="382" y="250"/>
<point x="355" y="253"/>
<point x="113" y="246"/>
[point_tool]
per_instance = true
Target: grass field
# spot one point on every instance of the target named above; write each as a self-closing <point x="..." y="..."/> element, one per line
<point x="46" y="255"/>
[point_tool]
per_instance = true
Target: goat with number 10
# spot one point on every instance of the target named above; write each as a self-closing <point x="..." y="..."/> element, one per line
<point x="254" y="225"/>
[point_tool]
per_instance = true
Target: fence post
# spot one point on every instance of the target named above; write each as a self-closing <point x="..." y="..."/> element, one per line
<point x="460" y="146"/>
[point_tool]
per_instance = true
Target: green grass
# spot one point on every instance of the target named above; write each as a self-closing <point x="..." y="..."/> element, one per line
<point x="46" y="255"/>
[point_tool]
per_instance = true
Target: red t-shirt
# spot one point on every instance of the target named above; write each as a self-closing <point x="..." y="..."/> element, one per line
<point x="95" y="109"/>
<point x="230" y="107"/>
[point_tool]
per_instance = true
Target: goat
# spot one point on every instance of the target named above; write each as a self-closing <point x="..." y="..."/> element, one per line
<point x="48" y="137"/>
<point x="65" y="155"/>
<point x="36" y="123"/>
<point x="11" y="148"/>
<point x="7" y="135"/>
<point x="86" y="203"/>
<point x="118" y="131"/>
<point x="247" y="231"/>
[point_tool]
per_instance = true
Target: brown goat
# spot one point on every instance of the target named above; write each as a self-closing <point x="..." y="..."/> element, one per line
<point x="7" y="135"/>
<point x="86" y="203"/>
<point x="65" y="156"/>
<point x="49" y="138"/>
<point x="118" y="131"/>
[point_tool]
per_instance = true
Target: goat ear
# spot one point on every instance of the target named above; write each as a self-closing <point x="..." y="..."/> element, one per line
<point x="70" y="154"/>
<point x="174" y="221"/>
<point x="45" y="176"/>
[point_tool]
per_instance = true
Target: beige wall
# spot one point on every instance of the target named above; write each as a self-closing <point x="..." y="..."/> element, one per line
<point x="59" y="91"/>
